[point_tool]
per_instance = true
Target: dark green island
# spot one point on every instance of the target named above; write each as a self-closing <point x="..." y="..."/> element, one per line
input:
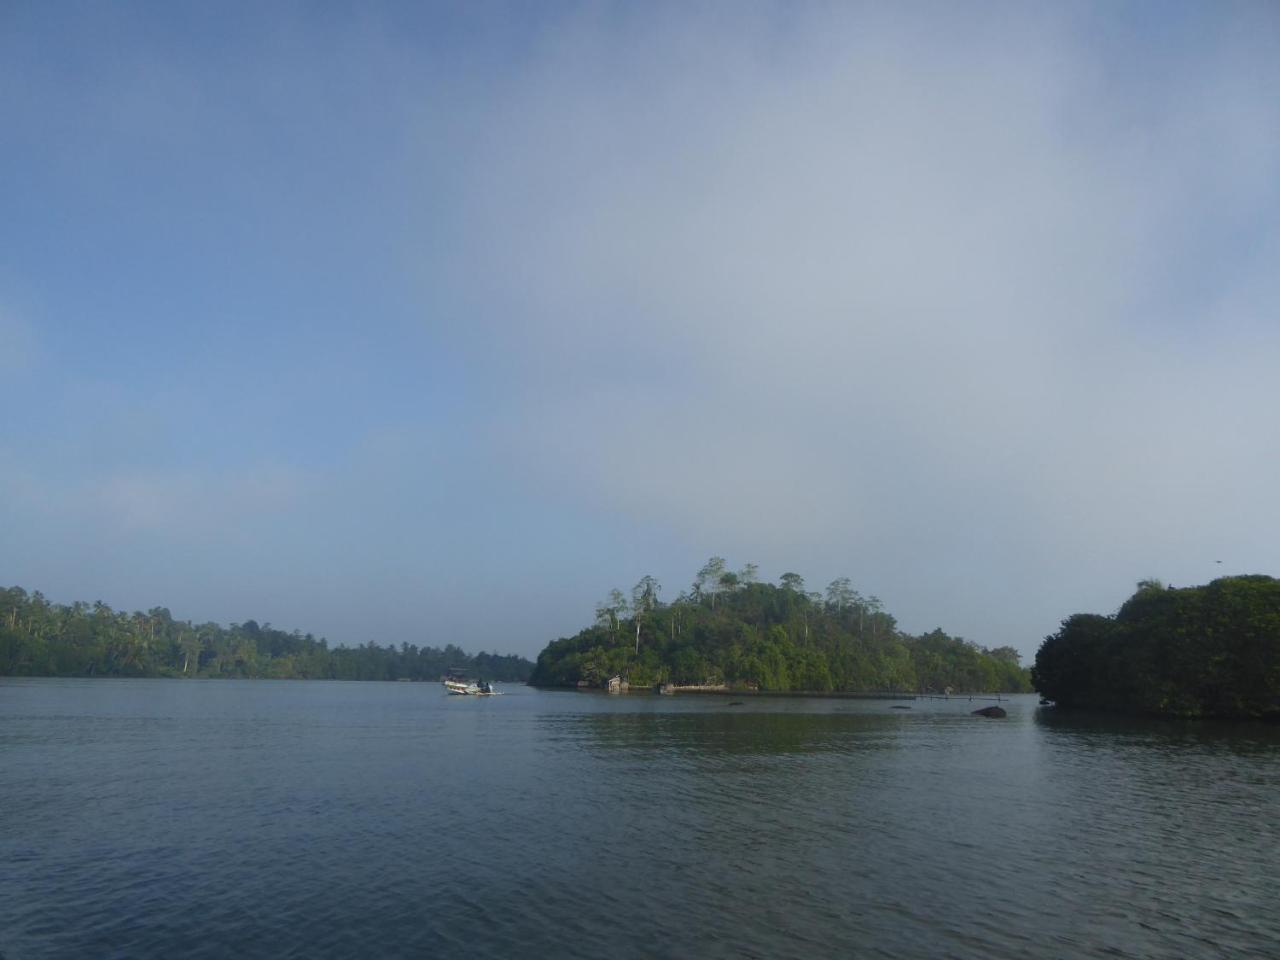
<point x="42" y="639"/>
<point x="1207" y="651"/>
<point x="730" y="632"/>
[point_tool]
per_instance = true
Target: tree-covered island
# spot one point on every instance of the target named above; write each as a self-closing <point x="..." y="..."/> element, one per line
<point x="730" y="629"/>
<point x="1207" y="651"/>
<point x="42" y="639"/>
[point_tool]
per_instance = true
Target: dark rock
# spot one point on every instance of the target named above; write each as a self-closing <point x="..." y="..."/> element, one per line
<point x="896" y="707"/>
<point x="990" y="712"/>
<point x="736" y="703"/>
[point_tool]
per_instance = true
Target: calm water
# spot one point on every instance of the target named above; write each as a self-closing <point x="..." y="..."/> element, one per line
<point x="159" y="819"/>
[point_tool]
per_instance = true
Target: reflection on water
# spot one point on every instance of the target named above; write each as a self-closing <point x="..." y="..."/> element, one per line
<point x="1173" y="736"/>
<point x="161" y="819"/>
<point x="726" y="732"/>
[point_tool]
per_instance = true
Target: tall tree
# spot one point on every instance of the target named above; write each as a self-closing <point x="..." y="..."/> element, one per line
<point x="644" y="598"/>
<point x="875" y="608"/>
<point x="707" y="583"/>
<point x="610" y="610"/>
<point x="840" y="594"/>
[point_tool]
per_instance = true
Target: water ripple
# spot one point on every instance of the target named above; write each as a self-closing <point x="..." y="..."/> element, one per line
<point x="160" y="819"/>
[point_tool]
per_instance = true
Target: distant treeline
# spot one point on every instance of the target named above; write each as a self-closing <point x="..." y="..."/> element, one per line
<point x="1208" y="651"/>
<point x="41" y="639"/>
<point x="729" y="628"/>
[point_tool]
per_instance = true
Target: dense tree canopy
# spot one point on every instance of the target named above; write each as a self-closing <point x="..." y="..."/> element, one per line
<point x="1208" y="651"/>
<point x="38" y="638"/>
<point x="728" y="628"/>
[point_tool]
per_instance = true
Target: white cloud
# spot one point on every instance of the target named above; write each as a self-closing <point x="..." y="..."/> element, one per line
<point x="913" y="298"/>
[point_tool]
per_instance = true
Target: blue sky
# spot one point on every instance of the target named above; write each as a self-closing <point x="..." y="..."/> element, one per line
<point x="435" y="322"/>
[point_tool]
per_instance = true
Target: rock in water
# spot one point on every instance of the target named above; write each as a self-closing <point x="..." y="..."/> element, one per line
<point x="990" y="712"/>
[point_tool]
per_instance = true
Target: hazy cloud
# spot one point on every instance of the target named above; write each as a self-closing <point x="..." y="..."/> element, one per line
<point x="975" y="305"/>
<point x="896" y="300"/>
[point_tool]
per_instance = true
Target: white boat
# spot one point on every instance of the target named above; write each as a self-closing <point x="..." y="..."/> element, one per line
<point x="465" y="688"/>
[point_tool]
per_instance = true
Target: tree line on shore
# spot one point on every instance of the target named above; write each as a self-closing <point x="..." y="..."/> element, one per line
<point x="730" y="628"/>
<point x="39" y="638"/>
<point x="1206" y="651"/>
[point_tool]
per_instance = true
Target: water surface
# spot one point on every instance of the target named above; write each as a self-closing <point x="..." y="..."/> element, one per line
<point x="162" y="818"/>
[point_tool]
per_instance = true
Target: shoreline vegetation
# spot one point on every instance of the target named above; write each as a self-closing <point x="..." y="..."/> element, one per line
<point x="1210" y="651"/>
<point x="42" y="639"/>
<point x="731" y="632"/>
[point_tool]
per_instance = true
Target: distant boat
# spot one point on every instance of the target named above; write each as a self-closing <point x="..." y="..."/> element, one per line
<point x="467" y="688"/>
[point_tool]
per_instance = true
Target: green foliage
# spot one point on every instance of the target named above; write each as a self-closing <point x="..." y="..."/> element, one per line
<point x="731" y="629"/>
<point x="1208" y="651"/>
<point x="38" y="638"/>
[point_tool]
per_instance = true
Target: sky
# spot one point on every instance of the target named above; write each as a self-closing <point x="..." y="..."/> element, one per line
<point x="432" y="323"/>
